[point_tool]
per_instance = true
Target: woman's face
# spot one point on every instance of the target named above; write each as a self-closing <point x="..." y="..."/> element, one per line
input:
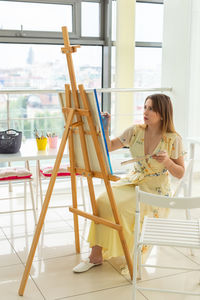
<point x="151" y="117"/>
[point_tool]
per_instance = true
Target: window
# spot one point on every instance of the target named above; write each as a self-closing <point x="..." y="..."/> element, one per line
<point x="148" y="67"/>
<point x="30" y="53"/>
<point x="148" y="58"/>
<point x="90" y="16"/>
<point x="35" y="16"/>
<point x="114" y="8"/>
<point x="45" y="67"/>
<point x="147" y="74"/>
<point x="42" y="67"/>
<point x="30" y="57"/>
<point x="148" y="50"/>
<point x="40" y="21"/>
<point x="148" y="22"/>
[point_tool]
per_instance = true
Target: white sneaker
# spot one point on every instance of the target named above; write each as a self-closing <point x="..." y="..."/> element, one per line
<point x="84" y="266"/>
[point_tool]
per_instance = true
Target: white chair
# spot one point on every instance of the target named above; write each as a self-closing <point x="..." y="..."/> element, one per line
<point x="64" y="177"/>
<point x="164" y="232"/>
<point x="185" y="183"/>
<point x="8" y="180"/>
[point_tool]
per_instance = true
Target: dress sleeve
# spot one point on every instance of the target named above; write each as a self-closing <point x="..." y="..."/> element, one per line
<point x="126" y="136"/>
<point x="177" y="148"/>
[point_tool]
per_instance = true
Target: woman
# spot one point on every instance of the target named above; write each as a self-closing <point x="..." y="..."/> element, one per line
<point x="158" y="141"/>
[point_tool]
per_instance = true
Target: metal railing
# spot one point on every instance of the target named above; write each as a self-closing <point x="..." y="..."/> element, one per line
<point x="28" y="91"/>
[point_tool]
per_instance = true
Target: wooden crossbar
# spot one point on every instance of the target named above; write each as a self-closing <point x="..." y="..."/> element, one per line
<point x="95" y="174"/>
<point x="78" y="111"/>
<point x="96" y="219"/>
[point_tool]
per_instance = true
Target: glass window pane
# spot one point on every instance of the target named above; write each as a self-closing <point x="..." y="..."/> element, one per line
<point x="148" y="67"/>
<point x="35" y="16"/>
<point x="45" y="67"/>
<point x="88" y="66"/>
<point x="42" y="67"/>
<point x="113" y="66"/>
<point x="147" y="74"/>
<point x="114" y="7"/>
<point x="34" y="111"/>
<point x="90" y="19"/>
<point x="149" y="22"/>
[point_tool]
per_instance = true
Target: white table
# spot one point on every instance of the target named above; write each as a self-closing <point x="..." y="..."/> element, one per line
<point x="28" y="151"/>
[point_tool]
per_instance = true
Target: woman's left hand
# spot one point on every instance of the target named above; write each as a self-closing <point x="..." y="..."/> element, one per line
<point x="162" y="157"/>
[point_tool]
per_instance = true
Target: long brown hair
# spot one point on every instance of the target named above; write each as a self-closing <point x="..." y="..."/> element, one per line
<point x="162" y="104"/>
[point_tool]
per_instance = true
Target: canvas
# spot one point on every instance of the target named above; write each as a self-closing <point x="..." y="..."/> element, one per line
<point x="97" y="119"/>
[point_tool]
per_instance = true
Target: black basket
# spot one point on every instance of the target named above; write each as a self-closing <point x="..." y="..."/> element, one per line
<point x="10" y="141"/>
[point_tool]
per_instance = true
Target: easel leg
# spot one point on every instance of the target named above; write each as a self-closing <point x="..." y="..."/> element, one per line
<point x="120" y="232"/>
<point x="45" y="204"/>
<point x="76" y="231"/>
<point x="126" y="253"/>
<point x="75" y="217"/>
<point x="74" y="189"/>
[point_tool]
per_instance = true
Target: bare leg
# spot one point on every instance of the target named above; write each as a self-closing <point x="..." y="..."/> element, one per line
<point x="96" y="255"/>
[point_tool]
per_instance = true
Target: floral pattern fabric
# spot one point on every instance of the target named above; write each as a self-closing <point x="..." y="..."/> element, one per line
<point x="148" y="167"/>
<point x="147" y="173"/>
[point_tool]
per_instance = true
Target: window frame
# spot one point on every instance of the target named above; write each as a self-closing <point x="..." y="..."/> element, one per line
<point x="54" y="37"/>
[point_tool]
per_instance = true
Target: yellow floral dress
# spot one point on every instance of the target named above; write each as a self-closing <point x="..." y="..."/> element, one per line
<point x="150" y="175"/>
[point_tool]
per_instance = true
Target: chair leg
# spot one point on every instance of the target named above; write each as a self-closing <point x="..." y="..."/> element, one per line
<point x="40" y="182"/>
<point x="187" y="192"/>
<point x="82" y="193"/>
<point x="36" y="189"/>
<point x="139" y="263"/>
<point x="188" y="214"/>
<point x="135" y="271"/>
<point x="33" y="203"/>
<point x="25" y="195"/>
<point x="25" y="190"/>
<point x="32" y="196"/>
<point x="10" y="189"/>
<point x="135" y="253"/>
<point x="188" y="217"/>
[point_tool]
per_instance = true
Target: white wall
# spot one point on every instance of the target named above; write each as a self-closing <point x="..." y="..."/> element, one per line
<point x="194" y="93"/>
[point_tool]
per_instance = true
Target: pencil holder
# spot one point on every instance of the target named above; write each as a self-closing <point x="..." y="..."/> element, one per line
<point x="53" y="141"/>
<point x="41" y="143"/>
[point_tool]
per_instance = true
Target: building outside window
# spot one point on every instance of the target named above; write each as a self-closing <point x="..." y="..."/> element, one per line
<point x="40" y="64"/>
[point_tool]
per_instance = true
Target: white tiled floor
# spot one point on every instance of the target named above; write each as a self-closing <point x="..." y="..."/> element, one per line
<point x="51" y="274"/>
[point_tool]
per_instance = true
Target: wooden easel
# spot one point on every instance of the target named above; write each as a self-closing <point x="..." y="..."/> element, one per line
<point x="69" y="114"/>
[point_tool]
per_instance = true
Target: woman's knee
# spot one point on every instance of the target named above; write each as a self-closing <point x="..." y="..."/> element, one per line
<point x="103" y="205"/>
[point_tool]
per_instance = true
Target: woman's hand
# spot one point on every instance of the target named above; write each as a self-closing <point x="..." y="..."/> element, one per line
<point x="106" y="119"/>
<point x="163" y="158"/>
<point x="174" y="166"/>
<point x="115" y="143"/>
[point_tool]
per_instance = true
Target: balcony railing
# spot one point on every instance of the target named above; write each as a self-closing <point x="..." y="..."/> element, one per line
<point x="27" y="122"/>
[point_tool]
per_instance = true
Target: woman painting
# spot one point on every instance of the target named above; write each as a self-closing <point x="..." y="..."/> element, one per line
<point x="162" y="145"/>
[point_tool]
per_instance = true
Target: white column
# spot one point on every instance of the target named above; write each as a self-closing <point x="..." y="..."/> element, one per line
<point x="125" y="47"/>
